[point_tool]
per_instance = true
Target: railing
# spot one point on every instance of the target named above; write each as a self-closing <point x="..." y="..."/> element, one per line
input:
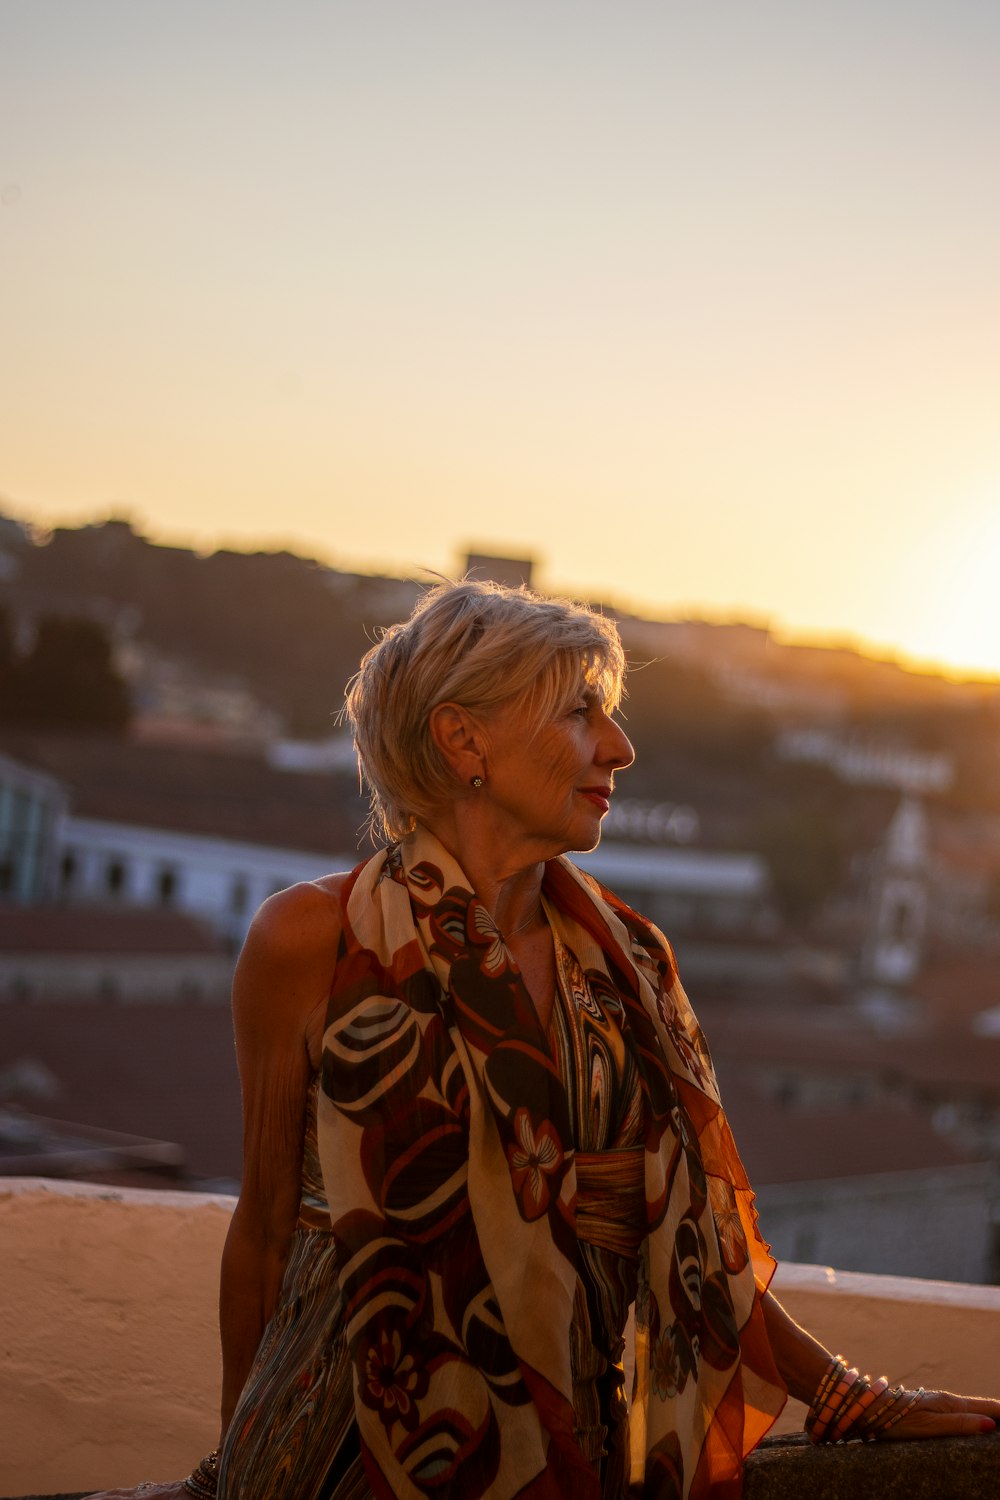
<point x="110" y="1372"/>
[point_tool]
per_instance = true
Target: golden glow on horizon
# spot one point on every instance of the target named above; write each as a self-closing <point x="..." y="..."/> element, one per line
<point x="957" y="623"/>
<point x="959" y="626"/>
<point x="389" y="285"/>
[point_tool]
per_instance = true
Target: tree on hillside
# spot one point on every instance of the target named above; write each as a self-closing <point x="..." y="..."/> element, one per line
<point x="8" y="661"/>
<point x="67" y="680"/>
<point x="288" y="628"/>
<point x="803" y="845"/>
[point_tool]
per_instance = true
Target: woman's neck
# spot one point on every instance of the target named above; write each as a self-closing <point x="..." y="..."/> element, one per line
<point x="508" y="883"/>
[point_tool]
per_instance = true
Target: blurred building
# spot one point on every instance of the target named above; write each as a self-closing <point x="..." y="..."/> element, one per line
<point x="32" y="811"/>
<point x="512" y="571"/>
<point x="111" y="825"/>
<point x="222" y="882"/>
<point x="36" y="1146"/>
<point x="78" y="953"/>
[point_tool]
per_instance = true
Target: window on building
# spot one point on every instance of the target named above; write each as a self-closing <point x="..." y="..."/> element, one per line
<point x="20" y="812"/>
<point x="238" y="897"/>
<point x="6" y="876"/>
<point x="114" y="877"/>
<point x="166" y="887"/>
<point x="67" y="870"/>
<point x="901" y="922"/>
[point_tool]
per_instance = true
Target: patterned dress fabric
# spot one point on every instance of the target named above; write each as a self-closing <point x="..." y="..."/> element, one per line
<point x="493" y="1219"/>
<point x="293" y="1435"/>
<point x="602" y="1083"/>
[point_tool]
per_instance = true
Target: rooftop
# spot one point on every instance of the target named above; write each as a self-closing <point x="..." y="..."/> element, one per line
<point x="164" y="1071"/>
<point x="96" y="929"/>
<point x="229" y="795"/>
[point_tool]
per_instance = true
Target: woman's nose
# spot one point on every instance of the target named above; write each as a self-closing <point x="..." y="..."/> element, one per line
<point x="617" y="748"/>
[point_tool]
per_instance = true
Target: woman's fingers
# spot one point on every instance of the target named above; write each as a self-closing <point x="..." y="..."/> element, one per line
<point x="942" y="1414"/>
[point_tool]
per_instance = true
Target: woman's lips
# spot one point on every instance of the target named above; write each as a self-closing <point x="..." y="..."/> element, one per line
<point x="599" y="795"/>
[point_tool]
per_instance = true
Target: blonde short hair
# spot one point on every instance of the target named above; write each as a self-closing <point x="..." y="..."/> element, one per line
<point x="483" y="646"/>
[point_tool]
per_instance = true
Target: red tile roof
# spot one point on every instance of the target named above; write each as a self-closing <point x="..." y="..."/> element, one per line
<point x="76" y="929"/>
<point x="798" y="1144"/>
<point x="165" y="1071"/>
<point x="221" y="794"/>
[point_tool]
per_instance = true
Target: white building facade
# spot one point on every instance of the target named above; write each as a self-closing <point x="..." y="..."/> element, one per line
<point x="32" y="813"/>
<point x="222" y="881"/>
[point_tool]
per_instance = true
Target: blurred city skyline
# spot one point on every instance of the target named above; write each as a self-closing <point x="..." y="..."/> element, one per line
<point x="697" y="306"/>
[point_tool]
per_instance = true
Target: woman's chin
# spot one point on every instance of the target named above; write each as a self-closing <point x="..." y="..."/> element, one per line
<point x="586" y="841"/>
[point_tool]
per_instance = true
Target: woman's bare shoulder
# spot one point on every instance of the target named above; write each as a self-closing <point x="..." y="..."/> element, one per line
<point x="283" y="976"/>
<point x="300" y="923"/>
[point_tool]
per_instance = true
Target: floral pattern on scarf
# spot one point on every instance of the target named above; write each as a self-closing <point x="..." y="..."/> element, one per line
<point x="448" y="1153"/>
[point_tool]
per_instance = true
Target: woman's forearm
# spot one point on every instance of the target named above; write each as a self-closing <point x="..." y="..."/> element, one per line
<point x="248" y="1293"/>
<point x="801" y="1359"/>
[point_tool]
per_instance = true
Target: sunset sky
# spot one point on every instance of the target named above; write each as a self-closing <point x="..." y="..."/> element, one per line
<point x="697" y="303"/>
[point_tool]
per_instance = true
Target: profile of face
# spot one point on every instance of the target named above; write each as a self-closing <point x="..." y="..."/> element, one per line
<point x="552" y="785"/>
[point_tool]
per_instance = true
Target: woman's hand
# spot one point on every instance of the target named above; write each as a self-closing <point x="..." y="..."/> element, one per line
<point x="942" y="1414"/>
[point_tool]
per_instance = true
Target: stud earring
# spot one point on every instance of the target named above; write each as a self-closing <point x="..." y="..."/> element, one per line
<point x="477" y="782"/>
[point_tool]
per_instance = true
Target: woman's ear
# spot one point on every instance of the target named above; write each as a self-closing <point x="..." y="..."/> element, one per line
<point x="460" y="739"/>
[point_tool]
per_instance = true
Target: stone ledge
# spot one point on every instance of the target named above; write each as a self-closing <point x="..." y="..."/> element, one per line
<point x="791" y="1468"/>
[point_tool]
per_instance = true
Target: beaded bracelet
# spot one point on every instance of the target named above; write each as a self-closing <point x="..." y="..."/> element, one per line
<point x="824" y="1414"/>
<point x="834" y="1372"/>
<point x="849" y="1405"/>
<point x="874" y="1422"/>
<point x="906" y="1406"/>
<point x="862" y="1412"/>
<point x="203" y="1481"/>
<point x="853" y="1404"/>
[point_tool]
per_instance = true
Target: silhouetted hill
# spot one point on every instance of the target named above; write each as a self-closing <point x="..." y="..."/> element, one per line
<point x="289" y="628"/>
<point x="704" y="710"/>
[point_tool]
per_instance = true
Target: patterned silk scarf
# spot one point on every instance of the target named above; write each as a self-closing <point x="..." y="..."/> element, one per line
<point x="446" y="1140"/>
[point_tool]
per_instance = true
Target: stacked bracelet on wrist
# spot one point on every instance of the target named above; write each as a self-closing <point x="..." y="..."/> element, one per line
<point x="850" y="1405"/>
<point x="203" y="1480"/>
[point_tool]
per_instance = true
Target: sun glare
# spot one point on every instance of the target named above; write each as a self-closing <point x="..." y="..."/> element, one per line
<point x="955" y="613"/>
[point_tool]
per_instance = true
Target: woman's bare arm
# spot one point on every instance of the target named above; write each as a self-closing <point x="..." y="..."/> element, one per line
<point x="279" y="1004"/>
<point x="801" y="1359"/>
<point x="280" y="992"/>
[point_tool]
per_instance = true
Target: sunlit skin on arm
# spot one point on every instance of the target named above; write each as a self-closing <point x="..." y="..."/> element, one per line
<point x="280" y="993"/>
<point x="802" y="1361"/>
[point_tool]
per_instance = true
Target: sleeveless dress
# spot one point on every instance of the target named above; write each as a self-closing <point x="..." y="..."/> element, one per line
<point x="293" y="1435"/>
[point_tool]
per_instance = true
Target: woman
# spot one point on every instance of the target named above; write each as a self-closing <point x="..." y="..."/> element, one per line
<point x="518" y="1125"/>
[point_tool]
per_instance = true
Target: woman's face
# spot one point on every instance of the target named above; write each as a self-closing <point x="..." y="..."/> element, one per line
<point x="553" y="784"/>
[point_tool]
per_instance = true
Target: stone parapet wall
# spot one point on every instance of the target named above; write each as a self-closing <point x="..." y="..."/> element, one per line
<point x="791" y="1468"/>
<point x="110" y="1372"/>
<point x="943" y="1335"/>
<point x="108" y="1325"/>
